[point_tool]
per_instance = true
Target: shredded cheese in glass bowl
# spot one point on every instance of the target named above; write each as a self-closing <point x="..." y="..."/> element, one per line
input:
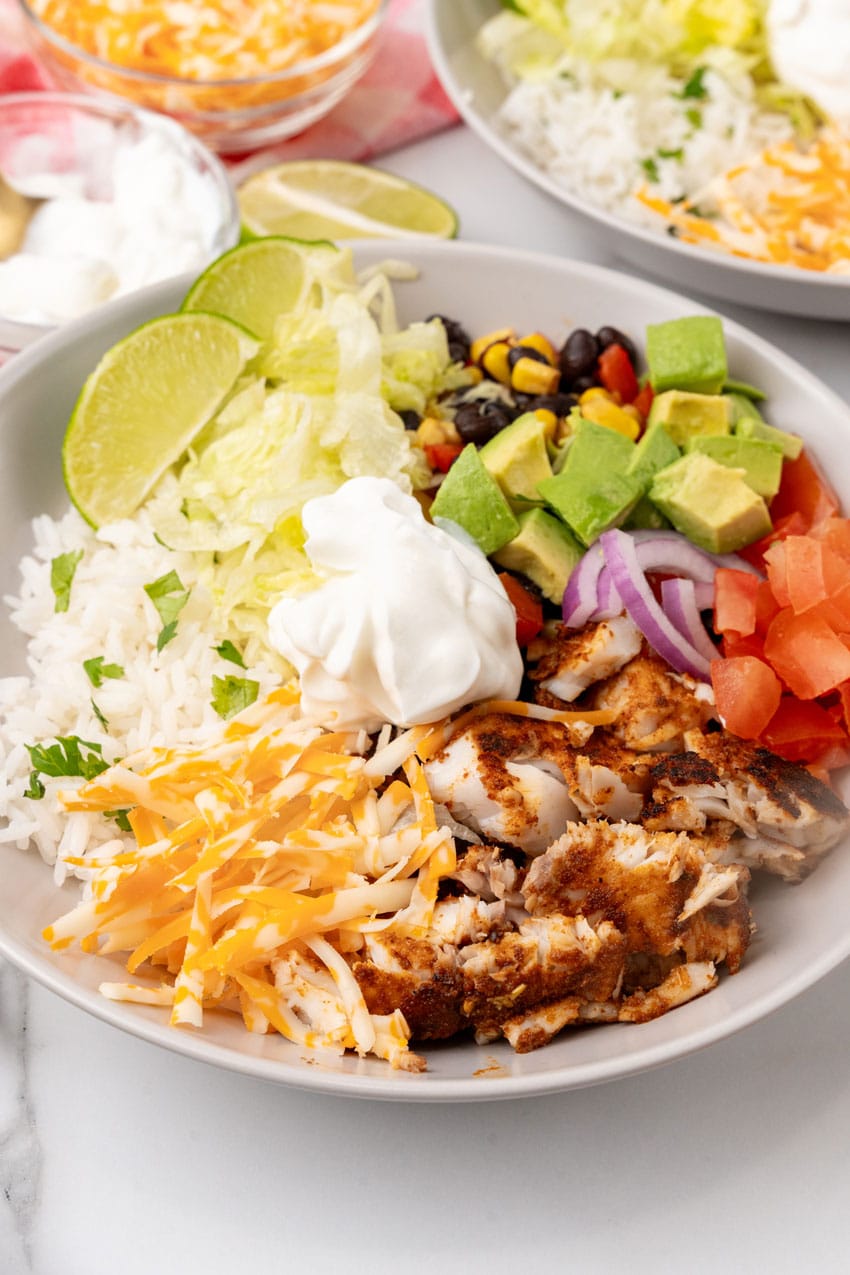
<point x="239" y="75"/>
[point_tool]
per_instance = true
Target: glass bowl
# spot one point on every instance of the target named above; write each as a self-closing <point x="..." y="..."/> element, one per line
<point x="230" y="115"/>
<point x="135" y="190"/>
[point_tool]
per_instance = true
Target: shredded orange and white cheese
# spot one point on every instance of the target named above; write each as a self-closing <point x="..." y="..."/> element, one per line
<point x="261" y="859"/>
<point x="787" y="206"/>
<point x="207" y="40"/>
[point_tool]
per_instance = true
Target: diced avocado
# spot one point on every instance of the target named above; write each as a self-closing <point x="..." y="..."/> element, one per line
<point x="592" y="491"/>
<point x="518" y="458"/>
<point x="470" y="496"/>
<point x="744" y="389"/>
<point x="645" y="517"/>
<point x="687" y="354"/>
<point x="790" y="444"/>
<point x="544" y="550"/>
<point x="761" y="462"/>
<point x="742" y="408"/>
<point x="684" y="414"/>
<point x="710" y="504"/>
<point x="654" y="451"/>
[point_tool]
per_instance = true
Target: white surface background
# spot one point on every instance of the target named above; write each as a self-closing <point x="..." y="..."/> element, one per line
<point x="118" y="1157"/>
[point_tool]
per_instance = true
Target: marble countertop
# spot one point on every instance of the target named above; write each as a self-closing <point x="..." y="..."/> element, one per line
<point x="117" y="1157"/>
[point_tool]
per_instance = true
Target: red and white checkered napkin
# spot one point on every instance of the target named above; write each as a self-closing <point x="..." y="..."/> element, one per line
<point x="399" y="100"/>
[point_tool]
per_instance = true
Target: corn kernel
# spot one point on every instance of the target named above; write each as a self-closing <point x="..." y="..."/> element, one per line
<point x="634" y="412"/>
<point x="474" y="374"/>
<point x="563" y="430"/>
<point x="604" y="412"/>
<point x="550" y="421"/>
<point x="495" y="363"/>
<point x="595" y="391"/>
<point x="433" y="430"/>
<point x="537" y="341"/>
<point x="481" y="343"/>
<point x="528" y="376"/>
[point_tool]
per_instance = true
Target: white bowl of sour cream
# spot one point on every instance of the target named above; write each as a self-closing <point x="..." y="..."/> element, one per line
<point x="129" y="198"/>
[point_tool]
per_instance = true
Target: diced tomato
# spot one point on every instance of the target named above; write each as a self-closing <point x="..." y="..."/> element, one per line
<point x="734" y="645"/>
<point x="441" y="456"/>
<point x="747" y="693"/>
<point x="802" y="732"/>
<point x="809" y="657"/>
<point x="776" y="564"/>
<point x="844" y="693"/>
<point x="735" y="595"/>
<point x="835" y="532"/>
<point x="643" y="402"/>
<point x="793" y="524"/>
<point x="617" y="374"/>
<point x="528" y="608"/>
<point x="803" y="490"/>
<point x="766" y="607"/>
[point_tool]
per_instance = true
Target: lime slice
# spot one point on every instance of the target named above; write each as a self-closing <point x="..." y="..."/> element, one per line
<point x="331" y="199"/>
<point x="142" y="406"/>
<point x="258" y="281"/>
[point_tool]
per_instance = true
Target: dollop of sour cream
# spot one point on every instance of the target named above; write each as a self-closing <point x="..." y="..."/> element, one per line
<point x="810" y="49"/>
<point x="138" y="212"/>
<point x="409" y="624"/>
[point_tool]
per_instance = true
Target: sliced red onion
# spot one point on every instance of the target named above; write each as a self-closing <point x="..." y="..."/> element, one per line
<point x="620" y="552"/>
<point x="670" y="552"/>
<point x="608" y="601"/>
<point x="580" y="596"/>
<point x="681" y="606"/>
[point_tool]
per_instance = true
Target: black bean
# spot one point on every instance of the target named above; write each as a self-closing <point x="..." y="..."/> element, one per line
<point x="412" y="420"/>
<point x="583" y="383"/>
<point x="578" y="354"/>
<point x="457" y="336"/>
<point x="561" y="404"/>
<point x="525" y="352"/>
<point x="477" y="422"/>
<point x="613" y="336"/>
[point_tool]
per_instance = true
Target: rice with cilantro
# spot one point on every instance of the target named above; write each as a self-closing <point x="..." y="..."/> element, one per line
<point x="604" y="128"/>
<point x="122" y="655"/>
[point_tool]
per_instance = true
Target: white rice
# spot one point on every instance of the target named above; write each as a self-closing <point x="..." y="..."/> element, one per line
<point x="594" y="129"/>
<point x="163" y="699"/>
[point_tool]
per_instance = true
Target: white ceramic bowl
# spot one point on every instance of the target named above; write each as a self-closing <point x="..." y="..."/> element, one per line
<point x="803" y="931"/>
<point x="477" y="90"/>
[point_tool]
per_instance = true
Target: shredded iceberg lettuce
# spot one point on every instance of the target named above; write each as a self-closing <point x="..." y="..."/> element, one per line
<point x="317" y="406"/>
<point x="530" y="36"/>
<point x="674" y="32"/>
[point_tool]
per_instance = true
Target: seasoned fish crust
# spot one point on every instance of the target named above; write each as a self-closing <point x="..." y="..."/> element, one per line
<point x="654" y="705"/>
<point x="547" y="959"/>
<point x="660" y="890"/>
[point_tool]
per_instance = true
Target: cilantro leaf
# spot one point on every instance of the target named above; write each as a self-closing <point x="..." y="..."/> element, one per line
<point x="66" y="757"/>
<point x="99" y="715"/>
<point x="120" y="817"/>
<point x="678" y="153"/>
<point x="169" y="597"/>
<point x="35" y="788"/>
<point x="650" y="167"/>
<point x="62" y="570"/>
<point x="228" y="651"/>
<point x="694" y="117"/>
<point x="97" y="670"/>
<point x="695" y="88"/>
<point x="232" y="694"/>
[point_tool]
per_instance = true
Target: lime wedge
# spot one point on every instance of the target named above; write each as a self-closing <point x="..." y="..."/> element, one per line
<point x="332" y="199"/>
<point x="142" y="406"/>
<point x="257" y="281"/>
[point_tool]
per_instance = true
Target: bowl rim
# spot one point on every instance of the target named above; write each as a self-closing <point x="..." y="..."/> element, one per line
<point x="349" y="44"/>
<point x="461" y="96"/>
